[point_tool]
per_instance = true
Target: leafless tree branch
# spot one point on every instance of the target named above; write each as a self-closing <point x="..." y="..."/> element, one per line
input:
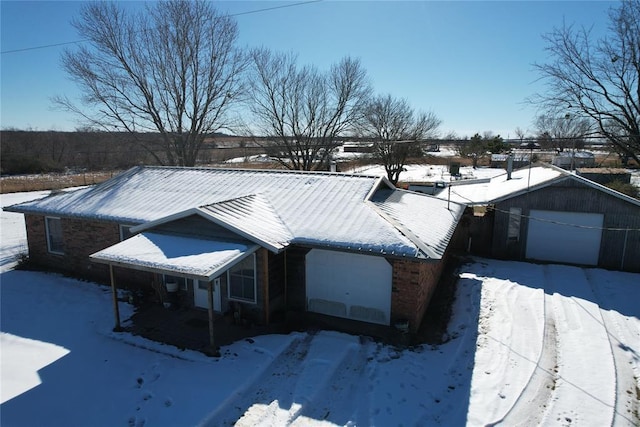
<point x="395" y="128"/>
<point x="173" y="69"/>
<point x="598" y="79"/>
<point x="301" y="110"/>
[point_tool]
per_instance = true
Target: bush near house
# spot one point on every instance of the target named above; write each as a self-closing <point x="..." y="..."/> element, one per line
<point x="624" y="188"/>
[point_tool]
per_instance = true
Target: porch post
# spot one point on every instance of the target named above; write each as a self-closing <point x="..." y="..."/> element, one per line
<point x="286" y="273"/>
<point x="265" y="280"/>
<point x="210" y="301"/>
<point x="114" y="294"/>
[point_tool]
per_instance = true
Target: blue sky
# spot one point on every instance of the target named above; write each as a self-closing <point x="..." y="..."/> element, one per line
<point x="469" y="62"/>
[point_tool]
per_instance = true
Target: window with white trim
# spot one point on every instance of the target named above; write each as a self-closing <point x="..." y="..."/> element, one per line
<point x="181" y="281"/>
<point x="53" y="226"/>
<point x="241" y="283"/>
<point x="515" y="216"/>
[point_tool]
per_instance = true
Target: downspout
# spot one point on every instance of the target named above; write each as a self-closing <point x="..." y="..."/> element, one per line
<point x="265" y="280"/>
<point x="212" y="342"/>
<point x="286" y="274"/>
<point x="114" y="294"/>
<point x="624" y="248"/>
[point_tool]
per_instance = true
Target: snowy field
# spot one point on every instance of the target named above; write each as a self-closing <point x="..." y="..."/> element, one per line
<point x="528" y="345"/>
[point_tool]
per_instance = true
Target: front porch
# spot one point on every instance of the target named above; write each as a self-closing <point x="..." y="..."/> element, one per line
<point x="188" y="328"/>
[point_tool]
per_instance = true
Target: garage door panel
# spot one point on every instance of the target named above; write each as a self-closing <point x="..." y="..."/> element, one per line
<point x="349" y="285"/>
<point x="567" y="237"/>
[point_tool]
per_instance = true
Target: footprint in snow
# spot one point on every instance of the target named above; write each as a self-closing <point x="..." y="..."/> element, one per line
<point x="136" y="422"/>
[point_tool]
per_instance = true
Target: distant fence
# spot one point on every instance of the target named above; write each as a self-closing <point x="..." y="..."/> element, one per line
<point x="21" y="183"/>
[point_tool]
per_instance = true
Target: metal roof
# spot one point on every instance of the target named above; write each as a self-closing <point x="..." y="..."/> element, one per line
<point x="200" y="259"/>
<point x="272" y="208"/>
<point x="499" y="188"/>
<point x="427" y="222"/>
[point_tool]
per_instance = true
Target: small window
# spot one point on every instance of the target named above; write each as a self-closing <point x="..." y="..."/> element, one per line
<point x="242" y="280"/>
<point x="55" y="243"/>
<point x="181" y="281"/>
<point x="515" y="216"/>
<point x="125" y="232"/>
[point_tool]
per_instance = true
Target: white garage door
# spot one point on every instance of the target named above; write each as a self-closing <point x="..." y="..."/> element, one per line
<point x="349" y="285"/>
<point x="568" y="237"/>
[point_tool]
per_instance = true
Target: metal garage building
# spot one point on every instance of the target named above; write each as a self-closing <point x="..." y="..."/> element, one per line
<point x="545" y="213"/>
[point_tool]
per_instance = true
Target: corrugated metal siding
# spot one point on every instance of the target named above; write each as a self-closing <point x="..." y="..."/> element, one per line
<point x="574" y="196"/>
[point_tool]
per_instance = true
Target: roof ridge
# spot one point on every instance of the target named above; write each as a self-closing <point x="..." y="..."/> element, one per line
<point x="274" y="171"/>
<point x="264" y="198"/>
<point x="216" y="210"/>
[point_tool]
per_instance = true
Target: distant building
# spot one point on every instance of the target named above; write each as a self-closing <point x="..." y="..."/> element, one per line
<point x="605" y="176"/>
<point x="574" y="159"/>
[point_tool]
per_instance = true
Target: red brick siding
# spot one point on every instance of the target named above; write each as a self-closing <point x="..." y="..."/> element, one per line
<point x="412" y="288"/>
<point x="81" y="238"/>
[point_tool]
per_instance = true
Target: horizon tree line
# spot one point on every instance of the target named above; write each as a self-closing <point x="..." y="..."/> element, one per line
<point x="176" y="69"/>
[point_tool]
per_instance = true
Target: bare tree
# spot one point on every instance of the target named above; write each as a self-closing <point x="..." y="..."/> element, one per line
<point x="598" y="78"/>
<point x="475" y="149"/>
<point x="172" y="69"/>
<point x="301" y="111"/>
<point x="561" y="133"/>
<point x="520" y="133"/>
<point x="396" y="130"/>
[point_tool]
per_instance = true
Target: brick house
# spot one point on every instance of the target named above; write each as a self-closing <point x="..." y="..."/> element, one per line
<point x="252" y="242"/>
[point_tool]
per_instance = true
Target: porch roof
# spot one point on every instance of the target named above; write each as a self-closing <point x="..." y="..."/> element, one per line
<point x="199" y="259"/>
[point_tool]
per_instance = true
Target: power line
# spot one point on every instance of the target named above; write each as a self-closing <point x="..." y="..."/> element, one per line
<point x="46" y="46"/>
<point x="566" y="224"/>
<point x="276" y="7"/>
<point x="266" y="9"/>
<point x="529" y="217"/>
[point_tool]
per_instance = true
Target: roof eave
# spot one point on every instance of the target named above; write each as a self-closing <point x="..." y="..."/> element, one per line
<point x="210" y="275"/>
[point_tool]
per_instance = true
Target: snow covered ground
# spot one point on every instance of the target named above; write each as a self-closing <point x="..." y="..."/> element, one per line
<point x="529" y="345"/>
<point x="13" y="236"/>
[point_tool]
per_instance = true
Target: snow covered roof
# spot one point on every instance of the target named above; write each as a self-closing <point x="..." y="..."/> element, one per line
<point x="416" y="216"/>
<point x="499" y="188"/>
<point x="199" y="259"/>
<point x="268" y="207"/>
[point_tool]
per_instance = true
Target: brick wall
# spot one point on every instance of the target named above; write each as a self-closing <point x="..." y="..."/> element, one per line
<point x="81" y="238"/>
<point x="413" y="286"/>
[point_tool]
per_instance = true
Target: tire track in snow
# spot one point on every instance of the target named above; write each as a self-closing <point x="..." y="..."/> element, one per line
<point x="626" y="403"/>
<point x="585" y="388"/>
<point x="511" y="342"/>
<point x="345" y="398"/>
<point x="530" y="406"/>
<point x="272" y="388"/>
<point x="301" y="383"/>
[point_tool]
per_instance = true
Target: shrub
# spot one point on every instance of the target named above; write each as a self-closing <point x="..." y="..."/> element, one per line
<point x="624" y="188"/>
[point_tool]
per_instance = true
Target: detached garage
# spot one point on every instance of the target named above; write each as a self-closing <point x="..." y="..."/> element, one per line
<point x="569" y="237"/>
<point x="545" y="213"/>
